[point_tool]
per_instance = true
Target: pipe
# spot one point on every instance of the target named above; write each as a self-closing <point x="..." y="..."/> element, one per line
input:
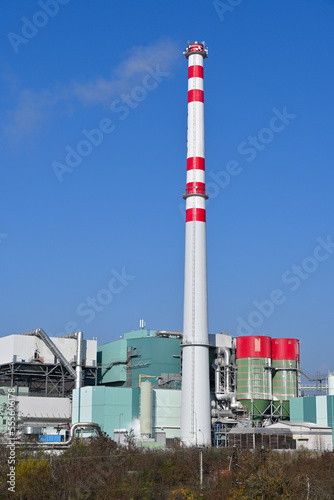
<point x="225" y="393"/>
<point x="298" y="379"/>
<point x="221" y="413"/>
<point x="235" y="405"/>
<point x="215" y="366"/>
<point x="270" y="380"/>
<point x="78" y="369"/>
<point x="222" y="393"/>
<point x="146" y="395"/>
<point x="169" y="333"/>
<point x="81" y="425"/>
<point x="227" y="360"/>
<point x="218" y="390"/>
<point x="69" y="441"/>
<point x="53" y="348"/>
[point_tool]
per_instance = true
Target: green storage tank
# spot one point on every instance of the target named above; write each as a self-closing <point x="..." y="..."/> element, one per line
<point x="253" y="359"/>
<point x="285" y="364"/>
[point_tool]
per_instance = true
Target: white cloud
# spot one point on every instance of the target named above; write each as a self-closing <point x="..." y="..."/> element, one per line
<point x="34" y="108"/>
<point x="129" y="72"/>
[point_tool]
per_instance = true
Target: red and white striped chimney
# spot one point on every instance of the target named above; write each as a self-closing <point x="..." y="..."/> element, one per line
<point x="195" y="406"/>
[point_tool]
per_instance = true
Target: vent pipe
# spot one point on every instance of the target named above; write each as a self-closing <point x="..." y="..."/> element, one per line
<point x="146" y="409"/>
<point x="78" y="369"/>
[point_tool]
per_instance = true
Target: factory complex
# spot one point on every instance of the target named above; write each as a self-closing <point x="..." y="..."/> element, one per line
<point x="133" y="385"/>
<point x="160" y="387"/>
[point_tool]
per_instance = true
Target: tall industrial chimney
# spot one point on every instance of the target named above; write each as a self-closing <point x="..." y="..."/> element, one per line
<point x="195" y="406"/>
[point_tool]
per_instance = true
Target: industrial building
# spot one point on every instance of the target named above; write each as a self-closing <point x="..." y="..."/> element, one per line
<point x="43" y="372"/>
<point x="318" y="410"/>
<point x="254" y="389"/>
<point x="283" y="436"/>
<point x="48" y="366"/>
<point x="251" y="380"/>
<point x="141" y="358"/>
<point x="141" y="353"/>
<point x="166" y="385"/>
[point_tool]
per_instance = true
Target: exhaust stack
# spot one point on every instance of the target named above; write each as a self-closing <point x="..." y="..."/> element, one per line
<point x="195" y="406"/>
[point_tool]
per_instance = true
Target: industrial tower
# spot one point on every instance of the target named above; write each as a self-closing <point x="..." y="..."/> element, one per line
<point x="195" y="407"/>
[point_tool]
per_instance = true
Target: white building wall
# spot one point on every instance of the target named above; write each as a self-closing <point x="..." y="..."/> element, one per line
<point x="68" y="348"/>
<point x="330" y="384"/>
<point x="321" y="410"/>
<point x="308" y="435"/>
<point x="90" y="352"/>
<point x="314" y="440"/>
<point x="6" y="349"/>
<point x="167" y="412"/>
<point x="220" y="340"/>
<point x="43" y="408"/>
<point x="20" y="348"/>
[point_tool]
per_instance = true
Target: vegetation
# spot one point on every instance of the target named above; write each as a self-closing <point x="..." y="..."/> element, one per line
<point x="101" y="469"/>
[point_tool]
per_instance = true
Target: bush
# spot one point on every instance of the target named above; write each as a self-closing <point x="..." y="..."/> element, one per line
<point x="100" y="468"/>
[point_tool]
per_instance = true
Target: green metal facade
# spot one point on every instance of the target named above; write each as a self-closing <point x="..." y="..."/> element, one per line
<point x="115" y="402"/>
<point x="138" y="353"/>
<point x="119" y="408"/>
<point x="110" y="407"/>
<point x="284" y="379"/>
<point x="253" y="384"/>
<point x="284" y="384"/>
<point x="297" y="410"/>
<point x="330" y="412"/>
<point x="111" y="360"/>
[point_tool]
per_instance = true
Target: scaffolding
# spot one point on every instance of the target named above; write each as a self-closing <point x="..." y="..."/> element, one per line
<point x="44" y="379"/>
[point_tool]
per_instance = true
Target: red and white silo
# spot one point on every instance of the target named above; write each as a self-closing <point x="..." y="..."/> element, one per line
<point x="254" y="382"/>
<point x="286" y="373"/>
<point x="195" y="407"/>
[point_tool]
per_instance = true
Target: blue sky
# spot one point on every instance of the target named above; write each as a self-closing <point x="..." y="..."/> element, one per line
<point x="93" y="144"/>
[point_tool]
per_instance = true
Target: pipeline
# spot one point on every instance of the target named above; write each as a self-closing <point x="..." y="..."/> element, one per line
<point x="78" y="369"/>
<point x="77" y="373"/>
<point x="68" y="442"/>
<point x="226" y="393"/>
<point x="80" y="425"/>
<point x="78" y="336"/>
<point x="169" y="333"/>
<point x="53" y="348"/>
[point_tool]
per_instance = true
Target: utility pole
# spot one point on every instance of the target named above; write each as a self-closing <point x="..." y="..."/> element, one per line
<point x="201" y="468"/>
